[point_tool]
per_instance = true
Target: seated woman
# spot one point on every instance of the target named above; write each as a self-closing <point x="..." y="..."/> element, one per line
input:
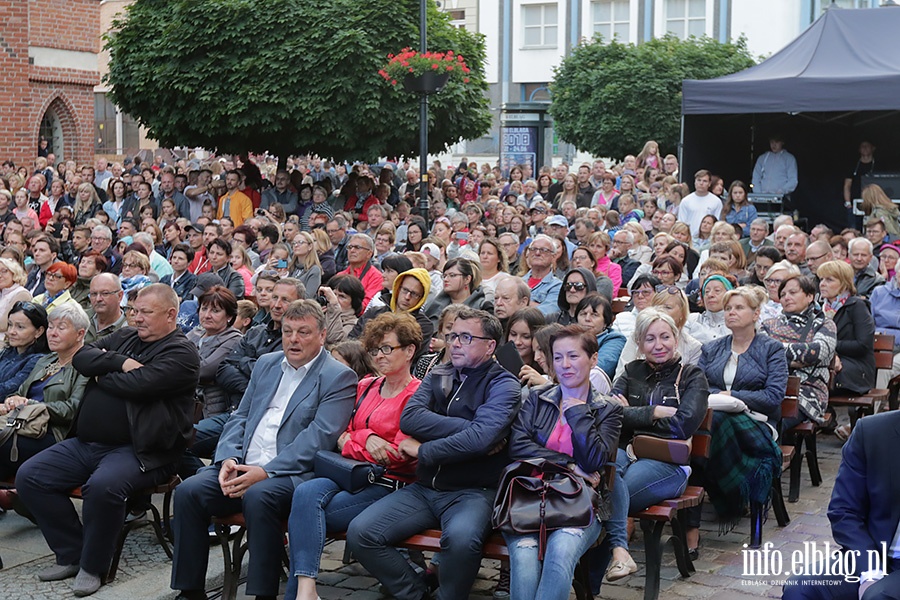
<point x="583" y="258"/>
<point x="568" y="423"/>
<point x="520" y="330"/>
<point x="53" y="381"/>
<point x="766" y="257"/>
<point x="674" y="303"/>
<point x="809" y="340"/>
<point x="344" y="297"/>
<point x="354" y="355"/>
<point x="642" y="290"/>
<point x="60" y="277"/>
<point x="752" y="368"/>
<point x="214" y="338"/>
<point x="135" y="272"/>
<point x="661" y="396"/>
<point x="535" y="377"/>
<point x="773" y="280"/>
<point x="26" y="343"/>
<point x="599" y="244"/>
<point x="577" y="283"/>
<point x="12" y="290"/>
<point x="710" y="324"/>
<point x="595" y="313"/>
<point x="854" y="363"/>
<point x="668" y="270"/>
<point x="304" y="263"/>
<point x="319" y="505"/>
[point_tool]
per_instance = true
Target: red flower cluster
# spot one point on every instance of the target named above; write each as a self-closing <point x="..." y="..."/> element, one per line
<point x="409" y="61"/>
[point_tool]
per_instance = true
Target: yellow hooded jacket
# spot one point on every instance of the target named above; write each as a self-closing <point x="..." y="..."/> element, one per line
<point x="423" y="277"/>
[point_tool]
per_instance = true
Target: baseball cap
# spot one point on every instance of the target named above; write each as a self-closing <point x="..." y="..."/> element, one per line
<point x="431" y="250"/>
<point x="205" y="282"/>
<point x="195" y="226"/>
<point x="558" y="220"/>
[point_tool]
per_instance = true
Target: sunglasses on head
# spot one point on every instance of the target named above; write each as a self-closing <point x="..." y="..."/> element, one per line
<point x="668" y="288"/>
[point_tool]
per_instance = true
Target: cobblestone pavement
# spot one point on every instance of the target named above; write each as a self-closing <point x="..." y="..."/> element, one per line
<point x="144" y="569"/>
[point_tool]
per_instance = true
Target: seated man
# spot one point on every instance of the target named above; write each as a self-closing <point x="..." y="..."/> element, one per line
<point x="863" y="517"/>
<point x="298" y="401"/>
<point x="129" y="431"/>
<point x="458" y="426"/>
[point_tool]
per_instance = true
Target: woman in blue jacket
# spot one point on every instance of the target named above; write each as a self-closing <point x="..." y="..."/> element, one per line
<point x="595" y="313"/>
<point x="752" y="368"/>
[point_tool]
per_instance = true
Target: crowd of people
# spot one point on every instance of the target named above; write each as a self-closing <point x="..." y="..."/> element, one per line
<point x="226" y="320"/>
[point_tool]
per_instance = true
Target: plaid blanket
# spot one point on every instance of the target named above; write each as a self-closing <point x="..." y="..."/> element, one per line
<point x="743" y="462"/>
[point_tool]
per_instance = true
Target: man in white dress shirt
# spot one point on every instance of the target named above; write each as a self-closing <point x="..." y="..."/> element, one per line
<point x="297" y="402"/>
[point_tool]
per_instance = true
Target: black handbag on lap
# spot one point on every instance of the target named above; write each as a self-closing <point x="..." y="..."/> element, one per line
<point x="351" y="475"/>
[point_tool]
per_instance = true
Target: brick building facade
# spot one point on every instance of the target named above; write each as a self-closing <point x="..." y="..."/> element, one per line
<point x="48" y="57"/>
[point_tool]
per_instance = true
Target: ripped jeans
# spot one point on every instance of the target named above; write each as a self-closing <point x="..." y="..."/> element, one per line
<point x="552" y="578"/>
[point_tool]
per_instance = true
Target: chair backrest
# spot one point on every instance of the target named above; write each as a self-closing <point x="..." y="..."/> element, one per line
<point x="884" y="351"/>
<point x="789" y="406"/>
<point x="619" y="305"/>
<point x="622" y="292"/>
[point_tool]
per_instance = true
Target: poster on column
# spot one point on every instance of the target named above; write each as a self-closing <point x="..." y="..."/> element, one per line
<point x="518" y="146"/>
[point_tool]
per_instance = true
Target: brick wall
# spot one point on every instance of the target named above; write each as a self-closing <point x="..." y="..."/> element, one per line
<point x="29" y="91"/>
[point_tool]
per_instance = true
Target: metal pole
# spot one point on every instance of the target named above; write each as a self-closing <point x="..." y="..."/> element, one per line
<point x="423" y="121"/>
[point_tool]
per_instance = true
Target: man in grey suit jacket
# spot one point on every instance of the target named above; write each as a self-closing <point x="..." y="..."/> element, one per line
<point x="298" y="401"/>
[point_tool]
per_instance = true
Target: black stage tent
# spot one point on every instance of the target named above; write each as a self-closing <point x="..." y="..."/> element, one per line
<point x="834" y="86"/>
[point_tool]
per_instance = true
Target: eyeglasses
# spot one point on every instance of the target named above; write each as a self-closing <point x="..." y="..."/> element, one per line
<point x="99" y="238"/>
<point x="386" y="350"/>
<point x="774" y="282"/>
<point x="29" y="308"/>
<point x="130" y="310"/>
<point x="642" y="293"/>
<point x="464" y="338"/>
<point x="452" y="274"/>
<point x="300" y="243"/>
<point x="812" y="258"/>
<point x="661" y="272"/>
<point x="668" y="288"/>
<point x="410" y="293"/>
<point x="575" y="286"/>
<point x="106" y="294"/>
<point x="356" y="247"/>
<point x="55" y="276"/>
<point x="538" y="250"/>
<point x="126" y="265"/>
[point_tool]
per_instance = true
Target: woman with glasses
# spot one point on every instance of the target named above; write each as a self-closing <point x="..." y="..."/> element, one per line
<point x="665" y="397"/>
<point x="642" y="289"/>
<point x="320" y="506"/>
<point x="809" y="339"/>
<point x="304" y="263"/>
<point x="568" y="423"/>
<point x="773" y="280"/>
<point x="668" y="270"/>
<point x="59" y="278"/>
<point x="51" y="380"/>
<point x="12" y="290"/>
<point x="577" y="283"/>
<point x="462" y="285"/>
<point x="765" y="259"/>
<point x="594" y="313"/>
<point x="26" y="342"/>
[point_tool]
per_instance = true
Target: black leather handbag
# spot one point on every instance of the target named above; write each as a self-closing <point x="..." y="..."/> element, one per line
<point x="538" y="496"/>
<point x="351" y="475"/>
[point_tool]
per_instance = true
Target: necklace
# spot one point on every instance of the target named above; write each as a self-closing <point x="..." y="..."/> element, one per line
<point x="52" y="369"/>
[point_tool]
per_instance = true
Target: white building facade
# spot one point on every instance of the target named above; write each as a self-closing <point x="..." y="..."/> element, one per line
<point x="526" y="39"/>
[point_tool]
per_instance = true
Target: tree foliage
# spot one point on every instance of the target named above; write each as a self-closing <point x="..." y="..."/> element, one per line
<point x="608" y="99"/>
<point x="288" y="76"/>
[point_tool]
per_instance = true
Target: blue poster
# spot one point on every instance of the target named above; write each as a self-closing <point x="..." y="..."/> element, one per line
<point x="518" y="146"/>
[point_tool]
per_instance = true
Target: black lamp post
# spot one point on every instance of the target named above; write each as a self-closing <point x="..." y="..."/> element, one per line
<point x="424" y="207"/>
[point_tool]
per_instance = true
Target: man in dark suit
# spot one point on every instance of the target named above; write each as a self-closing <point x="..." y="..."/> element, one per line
<point x="759" y="229"/>
<point x="864" y="514"/>
<point x="298" y="401"/>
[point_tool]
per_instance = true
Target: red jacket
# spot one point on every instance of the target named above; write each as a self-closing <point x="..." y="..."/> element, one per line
<point x="371" y="280"/>
<point x="379" y="416"/>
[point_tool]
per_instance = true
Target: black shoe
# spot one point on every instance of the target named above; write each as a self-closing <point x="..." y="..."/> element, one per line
<point x="694" y="553"/>
<point x="191" y="595"/>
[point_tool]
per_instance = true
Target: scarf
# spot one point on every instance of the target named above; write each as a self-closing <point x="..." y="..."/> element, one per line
<point x="835" y="305"/>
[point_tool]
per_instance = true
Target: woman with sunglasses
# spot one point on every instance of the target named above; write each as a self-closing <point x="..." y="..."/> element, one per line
<point x="583" y="258"/>
<point x="26" y="342"/>
<point x="319" y="505"/>
<point x="577" y="283"/>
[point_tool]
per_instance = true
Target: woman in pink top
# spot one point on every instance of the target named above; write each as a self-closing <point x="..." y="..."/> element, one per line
<point x="571" y="424"/>
<point x="598" y="243"/>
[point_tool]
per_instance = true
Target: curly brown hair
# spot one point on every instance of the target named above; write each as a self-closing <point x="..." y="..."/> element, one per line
<point x="403" y="324"/>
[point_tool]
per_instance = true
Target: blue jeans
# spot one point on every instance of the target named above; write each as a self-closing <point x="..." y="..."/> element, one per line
<point x="320" y="506"/>
<point x="551" y="579"/>
<point x="464" y="517"/>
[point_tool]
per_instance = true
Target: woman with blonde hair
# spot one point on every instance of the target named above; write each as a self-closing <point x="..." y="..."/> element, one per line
<point x="305" y="264"/>
<point x="325" y="253"/>
<point x="12" y="290"/>
<point x="87" y="203"/>
<point x="875" y="203"/>
<point x="640" y="249"/>
<point x="773" y="279"/>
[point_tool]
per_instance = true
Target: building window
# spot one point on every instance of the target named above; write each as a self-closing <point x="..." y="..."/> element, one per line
<point x="540" y="25"/>
<point x="685" y="18"/>
<point x="457" y="18"/>
<point x="826" y="4"/>
<point x="610" y="18"/>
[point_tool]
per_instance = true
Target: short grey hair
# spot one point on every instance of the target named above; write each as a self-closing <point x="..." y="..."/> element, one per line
<point x="369" y="243"/>
<point x="296" y="284"/>
<point x="626" y="233"/>
<point x="760" y="221"/>
<point x="102" y="230"/>
<point x="860" y="240"/>
<point x="73" y="313"/>
<point x="144" y="239"/>
<point x="648" y="317"/>
<point x="523" y="292"/>
<point x="302" y="309"/>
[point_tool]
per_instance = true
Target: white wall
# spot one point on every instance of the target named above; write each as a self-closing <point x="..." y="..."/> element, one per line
<point x="535" y="65"/>
<point x="768" y="25"/>
<point x="489" y="15"/>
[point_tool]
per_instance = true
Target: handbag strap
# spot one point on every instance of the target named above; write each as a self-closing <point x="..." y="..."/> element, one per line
<point x="362" y="396"/>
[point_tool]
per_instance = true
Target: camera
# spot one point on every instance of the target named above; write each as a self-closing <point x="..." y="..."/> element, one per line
<point x="323" y="302"/>
<point x="260" y="212"/>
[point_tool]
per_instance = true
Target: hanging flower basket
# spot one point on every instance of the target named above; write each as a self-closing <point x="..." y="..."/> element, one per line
<point x="426" y="72"/>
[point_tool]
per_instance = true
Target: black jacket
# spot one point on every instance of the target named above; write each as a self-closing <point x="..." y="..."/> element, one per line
<point x="595" y="429"/>
<point x="459" y="427"/>
<point x="183" y="286"/>
<point x="643" y="386"/>
<point x="159" y="396"/>
<point x="233" y="373"/>
<point x="855" y="346"/>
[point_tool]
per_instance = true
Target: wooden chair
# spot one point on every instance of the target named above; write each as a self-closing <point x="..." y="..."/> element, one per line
<point x="865" y="404"/>
<point x="233" y="551"/>
<point x="672" y="511"/>
<point x="804" y="433"/>
<point x="620" y="305"/>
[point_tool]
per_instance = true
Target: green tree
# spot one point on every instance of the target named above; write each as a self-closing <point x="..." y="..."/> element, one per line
<point x="608" y="99"/>
<point x="288" y="76"/>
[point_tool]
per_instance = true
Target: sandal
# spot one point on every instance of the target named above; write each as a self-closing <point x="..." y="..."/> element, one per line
<point x="619" y="570"/>
<point x="842" y="432"/>
<point x="830" y="423"/>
